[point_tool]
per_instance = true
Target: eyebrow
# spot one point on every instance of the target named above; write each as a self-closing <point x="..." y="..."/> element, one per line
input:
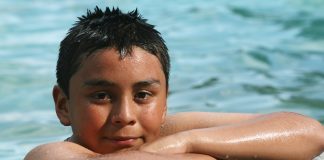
<point x="107" y="83"/>
<point x="98" y="82"/>
<point x="148" y="82"/>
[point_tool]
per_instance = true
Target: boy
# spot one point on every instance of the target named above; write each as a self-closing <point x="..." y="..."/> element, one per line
<point x="112" y="76"/>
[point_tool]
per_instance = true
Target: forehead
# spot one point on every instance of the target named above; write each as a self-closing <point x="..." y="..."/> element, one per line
<point x="108" y="63"/>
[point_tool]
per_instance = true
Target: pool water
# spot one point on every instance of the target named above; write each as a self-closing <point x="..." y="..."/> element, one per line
<point x="227" y="56"/>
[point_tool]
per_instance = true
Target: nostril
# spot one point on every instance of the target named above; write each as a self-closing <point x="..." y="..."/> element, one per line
<point x="123" y="121"/>
<point x="117" y="122"/>
<point x="131" y="123"/>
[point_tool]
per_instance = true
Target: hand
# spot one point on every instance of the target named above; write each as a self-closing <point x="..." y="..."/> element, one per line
<point x="176" y="143"/>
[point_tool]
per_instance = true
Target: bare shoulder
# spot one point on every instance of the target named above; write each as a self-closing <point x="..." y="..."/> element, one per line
<point x="59" y="150"/>
<point x="194" y="120"/>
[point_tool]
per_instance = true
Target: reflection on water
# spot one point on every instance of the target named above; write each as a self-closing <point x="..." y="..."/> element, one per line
<point x="247" y="56"/>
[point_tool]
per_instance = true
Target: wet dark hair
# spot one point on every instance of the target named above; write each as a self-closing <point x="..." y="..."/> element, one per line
<point x="108" y="29"/>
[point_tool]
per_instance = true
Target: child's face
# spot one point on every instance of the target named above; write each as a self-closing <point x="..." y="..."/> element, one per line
<point x="117" y="103"/>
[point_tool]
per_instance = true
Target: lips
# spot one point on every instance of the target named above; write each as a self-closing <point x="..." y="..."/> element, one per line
<point x="123" y="141"/>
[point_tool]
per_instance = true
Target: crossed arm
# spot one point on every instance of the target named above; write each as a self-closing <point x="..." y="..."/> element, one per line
<point x="199" y="135"/>
<point x="72" y="151"/>
<point x="238" y="136"/>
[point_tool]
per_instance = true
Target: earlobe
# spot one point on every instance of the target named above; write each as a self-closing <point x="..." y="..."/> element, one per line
<point x="164" y="114"/>
<point x="61" y="105"/>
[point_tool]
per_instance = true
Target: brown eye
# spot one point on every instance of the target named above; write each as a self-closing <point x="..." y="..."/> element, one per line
<point x="101" y="97"/>
<point x="143" y="95"/>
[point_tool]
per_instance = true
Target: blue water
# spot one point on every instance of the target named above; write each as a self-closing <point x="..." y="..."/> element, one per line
<point x="227" y="56"/>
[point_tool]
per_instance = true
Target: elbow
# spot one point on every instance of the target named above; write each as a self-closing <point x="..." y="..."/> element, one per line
<point x="319" y="134"/>
<point x="309" y="131"/>
<point x="315" y="139"/>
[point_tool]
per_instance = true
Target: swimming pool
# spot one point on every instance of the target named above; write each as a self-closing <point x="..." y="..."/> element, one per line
<point x="248" y="56"/>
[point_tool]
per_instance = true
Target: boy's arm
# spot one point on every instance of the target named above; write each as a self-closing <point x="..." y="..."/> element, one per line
<point x="194" y="120"/>
<point x="271" y="136"/>
<point x="72" y="151"/>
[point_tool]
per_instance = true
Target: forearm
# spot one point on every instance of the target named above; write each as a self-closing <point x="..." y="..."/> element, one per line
<point x="184" y="121"/>
<point x="72" y="151"/>
<point x="139" y="155"/>
<point x="275" y="136"/>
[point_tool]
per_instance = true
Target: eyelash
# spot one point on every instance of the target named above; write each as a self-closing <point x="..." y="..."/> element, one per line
<point x="97" y="97"/>
<point x="138" y="95"/>
<point x="104" y="97"/>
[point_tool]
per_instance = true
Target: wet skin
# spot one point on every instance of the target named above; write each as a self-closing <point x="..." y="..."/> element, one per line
<point x="115" y="103"/>
<point x="118" y="104"/>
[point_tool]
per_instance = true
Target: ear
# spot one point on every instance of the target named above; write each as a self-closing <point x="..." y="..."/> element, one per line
<point x="164" y="114"/>
<point x="61" y="105"/>
<point x="165" y="109"/>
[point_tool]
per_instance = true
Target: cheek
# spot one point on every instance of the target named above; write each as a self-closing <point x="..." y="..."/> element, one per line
<point x="87" y="118"/>
<point x="151" y="120"/>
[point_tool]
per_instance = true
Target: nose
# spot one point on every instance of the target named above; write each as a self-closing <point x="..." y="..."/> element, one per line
<point x="123" y="113"/>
